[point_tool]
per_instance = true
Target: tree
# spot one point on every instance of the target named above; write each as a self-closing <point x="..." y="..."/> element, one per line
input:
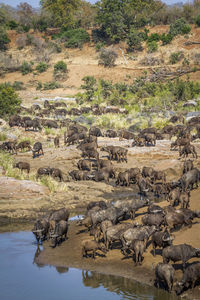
<point x="9" y="101"/>
<point x="63" y="11"/>
<point x="25" y="13"/>
<point x="116" y="17"/>
<point x="4" y="39"/>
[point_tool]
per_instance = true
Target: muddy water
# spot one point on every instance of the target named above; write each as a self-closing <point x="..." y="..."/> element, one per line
<point x="22" y="279"/>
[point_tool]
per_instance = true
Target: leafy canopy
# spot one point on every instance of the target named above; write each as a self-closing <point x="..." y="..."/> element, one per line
<point x="63" y="11"/>
<point x="9" y="101"/>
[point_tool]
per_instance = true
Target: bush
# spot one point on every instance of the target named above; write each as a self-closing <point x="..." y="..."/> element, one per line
<point x="99" y="45"/>
<point x="26" y="68"/>
<point x="75" y="38"/>
<point x="41" y="67"/>
<point x="52" y="85"/>
<point x="12" y="24"/>
<point x="4" y="39"/>
<point x="166" y="38"/>
<point x="18" y="86"/>
<point x="154" y="37"/>
<point x="197" y="21"/>
<point x="152" y="46"/>
<point x="135" y="41"/>
<point x="179" y="27"/>
<point x="60" y="66"/>
<point x="107" y="57"/>
<point x="175" y="57"/>
<point x="9" y="101"/>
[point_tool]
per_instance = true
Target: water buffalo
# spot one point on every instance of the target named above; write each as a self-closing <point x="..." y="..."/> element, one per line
<point x="190" y="276"/>
<point x="130" y="206"/>
<point x="61" y="230"/>
<point x="138" y="247"/>
<point x="95" y="131"/>
<point x="137" y="233"/>
<point x="188" y="166"/>
<point x="91" y="246"/>
<point x="23" y="166"/>
<point x="189" y="179"/>
<point x="57" y="173"/>
<point x="23" y="145"/>
<point x="123" y="178"/>
<point x="34" y="124"/>
<point x="56" y="142"/>
<point x="43" y="171"/>
<point x="50" y="124"/>
<point x="188" y="149"/>
<point x="37" y="148"/>
<point x="102" y="163"/>
<point x="90" y="154"/>
<point x="112" y="214"/>
<point x="84" y="164"/>
<point x="182" y="252"/>
<point x="41" y="229"/>
<point x="147" y="171"/>
<point x="60" y="214"/>
<point x="161" y="239"/>
<point x="164" y="273"/>
<point x="100" y="204"/>
<point x="113" y="234"/>
<point x="79" y="175"/>
<point x="153" y="219"/>
<point x="185" y="199"/>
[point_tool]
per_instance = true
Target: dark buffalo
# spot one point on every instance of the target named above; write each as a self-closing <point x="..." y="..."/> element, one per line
<point x="37" y="148"/>
<point x="91" y="246"/>
<point x="182" y="252"/>
<point x="60" y="233"/>
<point x="164" y="274"/>
<point x="23" y="166"/>
<point x="190" y="276"/>
<point x="161" y="239"/>
<point x="189" y="179"/>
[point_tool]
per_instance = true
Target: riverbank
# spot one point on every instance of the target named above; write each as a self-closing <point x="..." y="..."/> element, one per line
<point x="68" y="254"/>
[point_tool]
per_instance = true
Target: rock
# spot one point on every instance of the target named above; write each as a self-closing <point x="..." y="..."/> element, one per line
<point x="11" y="136"/>
<point x="190" y="103"/>
<point x="19" y="196"/>
<point x="83" y="120"/>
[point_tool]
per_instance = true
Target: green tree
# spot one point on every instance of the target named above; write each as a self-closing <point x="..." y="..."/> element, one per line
<point x="63" y="11"/>
<point x="116" y="17"/>
<point x="9" y="101"/>
<point x="4" y="39"/>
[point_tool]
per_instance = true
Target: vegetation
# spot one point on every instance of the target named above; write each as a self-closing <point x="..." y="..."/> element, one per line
<point x="52" y="85"/>
<point x="107" y="57"/>
<point x="9" y="101"/>
<point x="41" y="67"/>
<point x="4" y="39"/>
<point x="180" y="26"/>
<point x="176" y="57"/>
<point x="60" y="66"/>
<point x="74" y="38"/>
<point x="26" y="68"/>
<point x="152" y="46"/>
<point x="197" y="21"/>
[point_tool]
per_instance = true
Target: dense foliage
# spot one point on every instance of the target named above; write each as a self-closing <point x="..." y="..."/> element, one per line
<point x="4" y="39"/>
<point x="9" y="101"/>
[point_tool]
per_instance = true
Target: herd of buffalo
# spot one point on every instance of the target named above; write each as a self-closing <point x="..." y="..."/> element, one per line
<point x="113" y="225"/>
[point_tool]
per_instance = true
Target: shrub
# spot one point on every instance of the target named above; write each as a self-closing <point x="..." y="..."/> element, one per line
<point x="3" y="137"/>
<point x="12" y="24"/>
<point x="26" y="68"/>
<point x="75" y="38"/>
<point x="152" y="46"/>
<point x="175" y="57"/>
<point x="166" y="38"/>
<point x="179" y="27"/>
<point x="9" y="100"/>
<point x="197" y="21"/>
<point x="4" y="39"/>
<point x="135" y="41"/>
<point x="99" y="45"/>
<point x="52" y="85"/>
<point x="154" y="37"/>
<point x="107" y="57"/>
<point x="41" y="67"/>
<point x="18" y="86"/>
<point x="90" y="86"/>
<point x="60" y="66"/>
